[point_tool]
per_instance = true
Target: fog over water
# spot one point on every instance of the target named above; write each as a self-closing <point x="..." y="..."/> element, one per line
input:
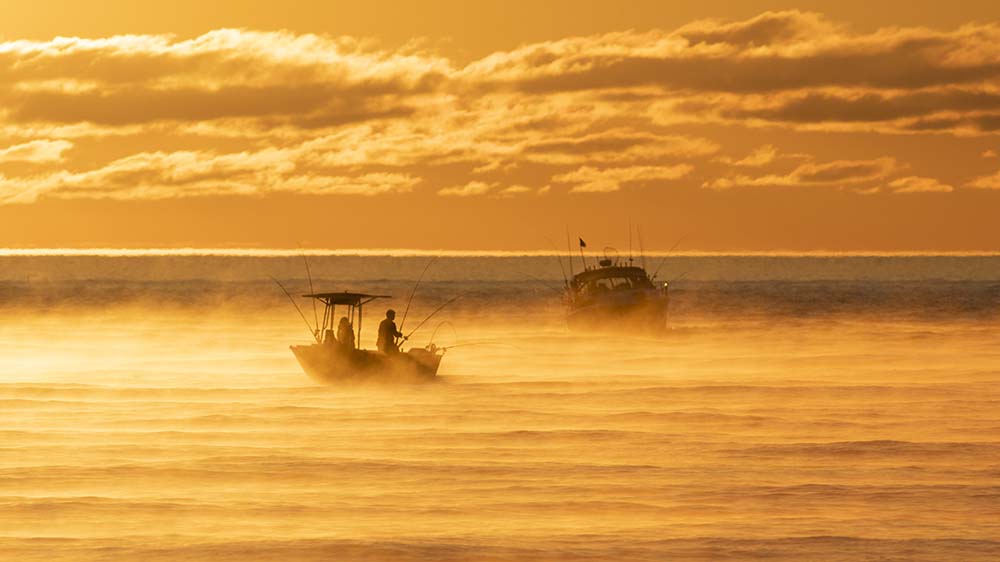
<point x="797" y="408"/>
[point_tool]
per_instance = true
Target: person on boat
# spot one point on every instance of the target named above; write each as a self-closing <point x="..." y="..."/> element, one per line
<point x="387" y="333"/>
<point x="345" y="333"/>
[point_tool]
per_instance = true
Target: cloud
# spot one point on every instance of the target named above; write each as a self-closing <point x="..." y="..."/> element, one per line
<point x="961" y="111"/>
<point x="915" y="184"/>
<point x="41" y="150"/>
<point x="765" y="29"/>
<point x="836" y="173"/>
<point x="588" y="179"/>
<point x="789" y="68"/>
<point x="759" y="157"/>
<point x="986" y="182"/>
<point x="515" y="190"/>
<point x="303" y="105"/>
<point x="249" y="113"/>
<point x="989" y="153"/>
<point x="223" y="73"/>
<point x="787" y="51"/>
<point x="616" y="146"/>
<point x="313" y="80"/>
<point x="467" y="190"/>
<point x="964" y="110"/>
<point x="475" y="188"/>
<point x="863" y="106"/>
<point x="160" y="175"/>
<point x="522" y="189"/>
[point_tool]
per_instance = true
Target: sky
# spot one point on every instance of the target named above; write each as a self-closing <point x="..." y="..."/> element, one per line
<point x="737" y="126"/>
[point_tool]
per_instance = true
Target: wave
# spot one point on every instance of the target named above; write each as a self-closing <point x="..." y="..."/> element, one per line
<point x="875" y="448"/>
<point x="565" y="547"/>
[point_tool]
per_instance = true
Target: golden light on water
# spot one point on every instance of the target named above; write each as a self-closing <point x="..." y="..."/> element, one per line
<point x="200" y="430"/>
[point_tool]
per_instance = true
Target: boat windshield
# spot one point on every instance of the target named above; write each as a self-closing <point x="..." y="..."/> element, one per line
<point x="616" y="283"/>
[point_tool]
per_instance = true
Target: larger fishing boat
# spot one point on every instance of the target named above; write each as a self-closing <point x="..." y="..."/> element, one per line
<point x="615" y="295"/>
<point x="332" y="360"/>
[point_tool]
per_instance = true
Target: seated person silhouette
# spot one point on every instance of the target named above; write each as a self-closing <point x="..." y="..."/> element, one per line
<point x="345" y="333"/>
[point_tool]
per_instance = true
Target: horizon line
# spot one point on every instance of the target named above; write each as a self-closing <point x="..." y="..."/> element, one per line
<point x="416" y="252"/>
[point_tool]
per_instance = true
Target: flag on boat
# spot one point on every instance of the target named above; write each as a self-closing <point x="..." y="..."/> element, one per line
<point x="582" y="243"/>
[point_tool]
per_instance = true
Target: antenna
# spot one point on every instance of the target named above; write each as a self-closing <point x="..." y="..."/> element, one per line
<point x="642" y="251"/>
<point x="630" y="240"/>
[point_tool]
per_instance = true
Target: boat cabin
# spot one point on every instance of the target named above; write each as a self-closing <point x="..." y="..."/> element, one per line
<point x="610" y="278"/>
<point x="615" y="295"/>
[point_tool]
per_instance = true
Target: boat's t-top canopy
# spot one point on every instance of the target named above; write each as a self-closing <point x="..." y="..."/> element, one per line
<point x="345" y="298"/>
<point x="354" y="303"/>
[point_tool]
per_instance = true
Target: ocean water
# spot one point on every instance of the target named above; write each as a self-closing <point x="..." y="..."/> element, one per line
<point x="797" y="408"/>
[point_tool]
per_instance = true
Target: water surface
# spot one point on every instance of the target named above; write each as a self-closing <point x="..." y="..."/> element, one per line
<point x="818" y="408"/>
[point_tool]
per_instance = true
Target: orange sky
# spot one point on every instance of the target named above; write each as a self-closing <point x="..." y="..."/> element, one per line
<point x="494" y="125"/>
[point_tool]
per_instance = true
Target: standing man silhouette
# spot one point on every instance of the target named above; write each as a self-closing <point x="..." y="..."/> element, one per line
<point x="387" y="334"/>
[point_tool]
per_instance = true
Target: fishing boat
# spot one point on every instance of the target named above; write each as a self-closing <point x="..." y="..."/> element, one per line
<point x="330" y="361"/>
<point x="615" y="295"/>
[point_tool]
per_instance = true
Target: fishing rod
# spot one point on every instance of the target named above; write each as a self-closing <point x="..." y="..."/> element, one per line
<point x="664" y="260"/>
<point x="436" y="310"/>
<point x="683" y="275"/>
<point x="541" y="282"/>
<point x="311" y="290"/>
<point x="299" y="310"/>
<point x="463" y="344"/>
<point x="414" y="291"/>
<point x="500" y="343"/>
<point x="559" y="259"/>
<point x="569" y="253"/>
<point x="454" y="332"/>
